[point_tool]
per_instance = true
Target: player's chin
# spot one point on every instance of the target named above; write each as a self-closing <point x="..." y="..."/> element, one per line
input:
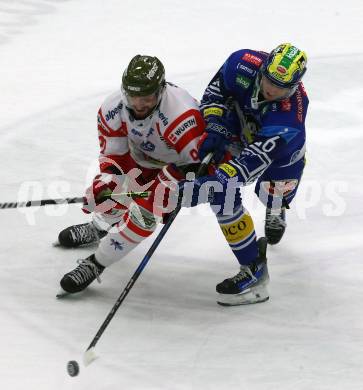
<point x="141" y="114"/>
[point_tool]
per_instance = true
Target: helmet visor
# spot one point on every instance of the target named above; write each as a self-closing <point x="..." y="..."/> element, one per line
<point x="273" y="92"/>
<point x="142" y="106"/>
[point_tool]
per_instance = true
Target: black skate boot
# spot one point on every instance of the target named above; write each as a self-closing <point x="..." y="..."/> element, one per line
<point x="82" y="276"/>
<point x="77" y="235"/>
<point x="249" y="285"/>
<point x="275" y="225"/>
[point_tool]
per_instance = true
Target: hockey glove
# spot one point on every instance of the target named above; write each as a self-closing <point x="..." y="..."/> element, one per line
<point x="98" y="195"/>
<point x="215" y="139"/>
<point x="165" y="191"/>
<point x="221" y="190"/>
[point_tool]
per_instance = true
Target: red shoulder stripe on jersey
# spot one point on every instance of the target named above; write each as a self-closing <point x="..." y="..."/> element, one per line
<point x="106" y="130"/>
<point x="184" y="129"/>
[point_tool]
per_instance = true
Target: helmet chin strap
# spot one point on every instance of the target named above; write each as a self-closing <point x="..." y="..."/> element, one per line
<point x="160" y="93"/>
<point x="256" y="92"/>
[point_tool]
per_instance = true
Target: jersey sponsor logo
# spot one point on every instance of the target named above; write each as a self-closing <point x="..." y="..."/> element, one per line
<point x="246" y="69"/>
<point x="300" y="107"/>
<point x="147" y="146"/>
<point x="187" y="124"/>
<point x="112" y="113"/>
<point x="243" y="81"/>
<point x="213" y="111"/>
<point x="185" y="129"/>
<point x="136" y="132"/>
<point x="163" y="118"/>
<point x="228" y="169"/>
<point x="252" y="59"/>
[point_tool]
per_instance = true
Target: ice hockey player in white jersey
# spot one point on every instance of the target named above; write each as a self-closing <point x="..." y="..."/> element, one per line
<point x="148" y="133"/>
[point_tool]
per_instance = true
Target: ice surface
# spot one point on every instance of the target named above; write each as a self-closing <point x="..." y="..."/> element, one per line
<point x="59" y="59"/>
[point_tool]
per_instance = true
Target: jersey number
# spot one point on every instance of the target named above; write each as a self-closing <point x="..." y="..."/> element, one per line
<point x="269" y="145"/>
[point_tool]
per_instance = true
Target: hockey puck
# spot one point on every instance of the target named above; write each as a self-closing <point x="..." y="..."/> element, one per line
<point x="72" y="368"/>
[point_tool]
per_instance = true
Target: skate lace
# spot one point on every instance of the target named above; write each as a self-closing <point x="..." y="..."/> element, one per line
<point x="244" y="273"/>
<point x="275" y="221"/>
<point x="85" y="271"/>
<point x="84" y="233"/>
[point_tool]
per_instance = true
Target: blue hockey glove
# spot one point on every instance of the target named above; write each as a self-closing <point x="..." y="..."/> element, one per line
<point x="221" y="190"/>
<point x="215" y="139"/>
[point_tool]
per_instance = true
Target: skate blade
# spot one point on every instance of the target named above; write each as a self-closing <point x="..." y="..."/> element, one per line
<point x="57" y="244"/>
<point x="254" y="295"/>
<point x="243" y="303"/>
<point x="61" y="294"/>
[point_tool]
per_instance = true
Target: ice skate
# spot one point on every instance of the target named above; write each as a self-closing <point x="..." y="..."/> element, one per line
<point x="78" y="235"/>
<point x="249" y="285"/>
<point x="275" y="225"/>
<point x="82" y="276"/>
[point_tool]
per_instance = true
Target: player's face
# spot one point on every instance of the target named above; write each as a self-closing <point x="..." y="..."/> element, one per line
<point x="142" y="106"/>
<point x="272" y="92"/>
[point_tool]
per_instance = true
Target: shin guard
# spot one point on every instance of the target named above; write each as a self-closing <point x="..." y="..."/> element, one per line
<point x="239" y="232"/>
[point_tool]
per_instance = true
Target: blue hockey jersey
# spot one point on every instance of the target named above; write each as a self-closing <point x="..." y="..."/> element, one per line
<point x="267" y="132"/>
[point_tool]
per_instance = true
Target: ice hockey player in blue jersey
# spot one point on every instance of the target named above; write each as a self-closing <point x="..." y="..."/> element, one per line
<point x="254" y="108"/>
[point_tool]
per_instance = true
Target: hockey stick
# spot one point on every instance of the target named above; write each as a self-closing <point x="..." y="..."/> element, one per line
<point x="89" y="356"/>
<point x="44" y="202"/>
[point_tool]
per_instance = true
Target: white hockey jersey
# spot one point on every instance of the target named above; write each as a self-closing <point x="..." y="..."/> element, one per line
<point x="169" y="135"/>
